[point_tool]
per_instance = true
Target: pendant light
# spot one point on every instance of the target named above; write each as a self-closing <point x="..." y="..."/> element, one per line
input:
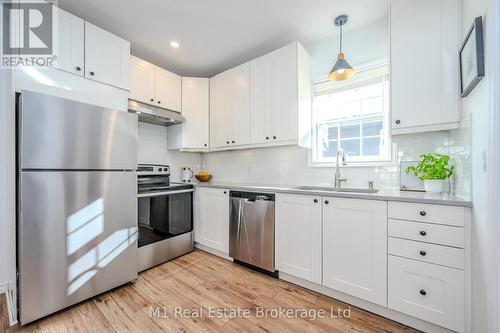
<point x="341" y="70"/>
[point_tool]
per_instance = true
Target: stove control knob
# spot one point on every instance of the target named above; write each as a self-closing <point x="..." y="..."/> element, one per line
<point x="160" y="169"/>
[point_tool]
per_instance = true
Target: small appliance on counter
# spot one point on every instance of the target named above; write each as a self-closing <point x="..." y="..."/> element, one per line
<point x="186" y="175"/>
<point x="165" y="216"/>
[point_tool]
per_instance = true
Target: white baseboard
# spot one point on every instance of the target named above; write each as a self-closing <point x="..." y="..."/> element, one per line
<point x="212" y="251"/>
<point x="370" y="307"/>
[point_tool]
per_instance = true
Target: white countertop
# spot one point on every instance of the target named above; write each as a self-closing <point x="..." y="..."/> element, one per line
<point x="389" y="195"/>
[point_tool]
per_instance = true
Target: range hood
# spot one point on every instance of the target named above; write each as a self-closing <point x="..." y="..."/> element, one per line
<point x="155" y="115"/>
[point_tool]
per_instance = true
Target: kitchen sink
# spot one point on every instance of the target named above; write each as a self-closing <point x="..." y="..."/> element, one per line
<point x="337" y="189"/>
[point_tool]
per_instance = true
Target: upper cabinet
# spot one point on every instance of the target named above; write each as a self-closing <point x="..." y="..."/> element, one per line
<point x="230" y="108"/>
<point x="167" y="89"/>
<point x="193" y="133"/>
<point x="107" y="57"/>
<point x="278" y="82"/>
<point x="266" y="102"/>
<point x="70" y="43"/>
<point x="153" y="85"/>
<point x="424" y="65"/>
<point x="89" y="51"/>
<point x="142" y="80"/>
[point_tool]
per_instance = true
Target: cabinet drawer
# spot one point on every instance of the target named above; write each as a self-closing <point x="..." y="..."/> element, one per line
<point x="438" y="214"/>
<point x="427" y="232"/>
<point x="436" y="254"/>
<point x="426" y="291"/>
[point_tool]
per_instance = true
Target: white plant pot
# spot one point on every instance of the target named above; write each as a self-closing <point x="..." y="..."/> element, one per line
<point x="434" y="185"/>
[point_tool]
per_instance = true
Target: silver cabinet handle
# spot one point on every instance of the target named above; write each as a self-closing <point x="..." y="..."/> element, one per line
<point x="157" y="194"/>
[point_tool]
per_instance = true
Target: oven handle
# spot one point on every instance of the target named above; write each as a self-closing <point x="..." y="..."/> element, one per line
<point x="156" y="194"/>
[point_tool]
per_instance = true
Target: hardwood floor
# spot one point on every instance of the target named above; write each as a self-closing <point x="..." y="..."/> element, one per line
<point x="198" y="283"/>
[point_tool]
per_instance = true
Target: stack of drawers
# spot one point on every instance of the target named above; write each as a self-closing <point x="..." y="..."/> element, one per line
<point x="427" y="262"/>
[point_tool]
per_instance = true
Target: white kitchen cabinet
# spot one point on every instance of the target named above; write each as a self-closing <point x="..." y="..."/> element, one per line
<point x="142" y="80"/>
<point x="153" y="85"/>
<point x="107" y="57"/>
<point x="355" y="248"/>
<point x="69" y="46"/>
<point x="211" y="218"/>
<point x="193" y="133"/>
<point x="424" y="37"/>
<point x="298" y="236"/>
<point x="220" y="100"/>
<point x="167" y="89"/>
<point x="240" y="105"/>
<point x="430" y="292"/>
<point x="230" y="108"/>
<point x="280" y="91"/>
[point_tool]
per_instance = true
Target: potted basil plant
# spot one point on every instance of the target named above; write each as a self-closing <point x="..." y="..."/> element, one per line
<point x="433" y="169"/>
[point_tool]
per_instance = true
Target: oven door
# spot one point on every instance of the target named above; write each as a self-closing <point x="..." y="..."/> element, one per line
<point x="163" y="215"/>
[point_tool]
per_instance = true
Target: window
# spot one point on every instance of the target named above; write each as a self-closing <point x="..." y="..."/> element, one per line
<point x="353" y="116"/>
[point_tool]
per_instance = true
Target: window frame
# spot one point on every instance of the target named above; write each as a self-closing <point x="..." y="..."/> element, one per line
<point x="364" y="77"/>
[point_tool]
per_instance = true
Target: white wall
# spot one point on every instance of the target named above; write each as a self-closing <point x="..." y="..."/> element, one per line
<point x="7" y="180"/>
<point x="153" y="149"/>
<point x="364" y="45"/>
<point x="477" y="106"/>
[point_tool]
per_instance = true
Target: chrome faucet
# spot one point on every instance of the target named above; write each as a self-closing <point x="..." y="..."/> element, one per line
<point x="338" y="179"/>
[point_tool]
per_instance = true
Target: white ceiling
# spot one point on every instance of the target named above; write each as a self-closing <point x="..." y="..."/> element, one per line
<point x="215" y="35"/>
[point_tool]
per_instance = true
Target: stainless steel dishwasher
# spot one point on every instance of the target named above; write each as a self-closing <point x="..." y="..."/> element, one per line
<point x="251" y="229"/>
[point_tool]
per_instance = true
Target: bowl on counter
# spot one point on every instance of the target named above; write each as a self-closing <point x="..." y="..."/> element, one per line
<point x="203" y="178"/>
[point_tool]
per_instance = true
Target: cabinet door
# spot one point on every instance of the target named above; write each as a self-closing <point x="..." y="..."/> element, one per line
<point x="142" y="80"/>
<point x="239" y="114"/>
<point x="355" y="247"/>
<point x="107" y="57"/>
<point x="167" y="89"/>
<point x="430" y="292"/>
<point x="284" y="93"/>
<point x="220" y="99"/>
<point x="424" y="68"/>
<point x="261" y="99"/>
<point x="298" y="236"/>
<point x="212" y="220"/>
<point x="195" y="108"/>
<point x="70" y="43"/>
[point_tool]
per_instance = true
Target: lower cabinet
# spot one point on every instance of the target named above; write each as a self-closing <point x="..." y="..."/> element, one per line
<point x="211" y="218"/>
<point x="355" y="247"/>
<point x="298" y="236"/>
<point x="427" y="291"/>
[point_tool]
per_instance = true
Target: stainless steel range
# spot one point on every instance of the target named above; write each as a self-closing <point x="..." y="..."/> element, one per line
<point x="165" y="216"/>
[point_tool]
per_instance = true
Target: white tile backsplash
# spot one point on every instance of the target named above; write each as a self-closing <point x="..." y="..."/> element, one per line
<point x="289" y="165"/>
<point x="153" y="149"/>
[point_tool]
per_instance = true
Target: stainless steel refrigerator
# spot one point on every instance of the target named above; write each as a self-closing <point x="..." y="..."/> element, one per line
<point x="77" y="202"/>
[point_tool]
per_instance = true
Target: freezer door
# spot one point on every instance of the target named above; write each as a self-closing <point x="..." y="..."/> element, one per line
<point x="57" y="133"/>
<point x="77" y="237"/>
<point x="251" y="232"/>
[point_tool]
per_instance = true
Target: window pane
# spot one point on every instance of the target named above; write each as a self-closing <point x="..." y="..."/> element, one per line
<point x="332" y="133"/>
<point x="351" y="147"/>
<point x="372" y="128"/>
<point x="349" y="131"/>
<point x="330" y="150"/>
<point x="371" y="146"/>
